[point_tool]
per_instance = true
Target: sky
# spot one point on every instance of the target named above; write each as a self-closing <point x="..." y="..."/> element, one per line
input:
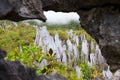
<point x="59" y="17"/>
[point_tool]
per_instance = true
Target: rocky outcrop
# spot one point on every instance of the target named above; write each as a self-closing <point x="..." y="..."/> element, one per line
<point x="17" y="10"/>
<point x="103" y="24"/>
<point x="52" y="77"/>
<point x="100" y="18"/>
<point x="15" y="70"/>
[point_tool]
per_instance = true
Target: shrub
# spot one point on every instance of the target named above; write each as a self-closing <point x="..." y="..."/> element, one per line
<point x="87" y="71"/>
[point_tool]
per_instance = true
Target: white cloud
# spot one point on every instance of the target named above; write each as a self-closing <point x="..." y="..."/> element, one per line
<point x="59" y="17"/>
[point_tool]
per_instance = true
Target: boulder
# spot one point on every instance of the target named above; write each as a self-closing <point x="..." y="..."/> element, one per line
<point x="15" y="70"/>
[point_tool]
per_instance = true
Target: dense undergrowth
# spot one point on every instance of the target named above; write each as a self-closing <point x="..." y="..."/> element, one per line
<point x="18" y="41"/>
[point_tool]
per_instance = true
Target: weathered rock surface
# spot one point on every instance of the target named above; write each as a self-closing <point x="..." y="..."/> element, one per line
<point x="2" y="54"/>
<point x="117" y="75"/>
<point x="76" y="5"/>
<point x="100" y="18"/>
<point x="52" y="77"/>
<point x="15" y="70"/>
<point x="103" y="24"/>
<point x="17" y="10"/>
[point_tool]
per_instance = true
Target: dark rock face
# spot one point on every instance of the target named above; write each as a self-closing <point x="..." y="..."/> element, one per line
<point x="76" y="5"/>
<point x="15" y="70"/>
<point x="52" y="77"/>
<point x="17" y="10"/>
<point x="104" y="26"/>
<point x="100" y="18"/>
<point x="2" y="54"/>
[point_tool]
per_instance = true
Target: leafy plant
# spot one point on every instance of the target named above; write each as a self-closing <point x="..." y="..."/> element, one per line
<point x="30" y="55"/>
<point x="87" y="71"/>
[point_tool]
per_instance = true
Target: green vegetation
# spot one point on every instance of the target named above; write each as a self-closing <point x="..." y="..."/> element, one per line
<point x="50" y="26"/>
<point x="87" y="71"/>
<point x="13" y="39"/>
<point x="12" y="36"/>
<point x="32" y="56"/>
<point x="16" y="36"/>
